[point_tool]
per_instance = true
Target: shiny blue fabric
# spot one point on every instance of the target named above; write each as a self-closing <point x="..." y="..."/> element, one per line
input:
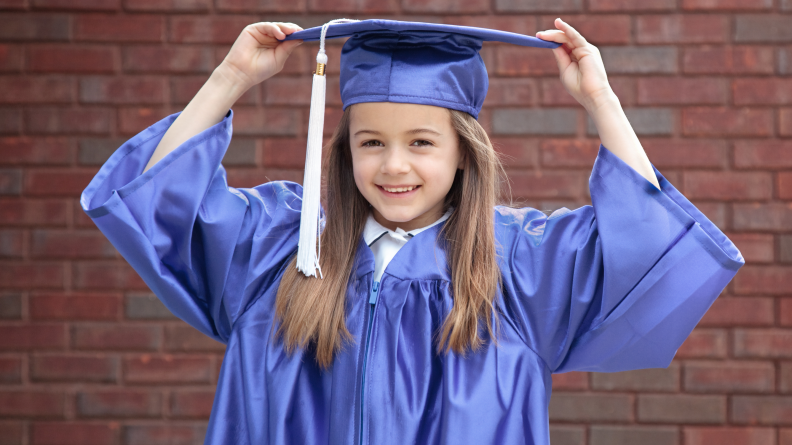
<point x="414" y="62"/>
<point x="610" y="287"/>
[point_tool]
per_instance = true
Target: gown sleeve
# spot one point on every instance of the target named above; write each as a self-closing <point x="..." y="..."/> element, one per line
<point x="617" y="285"/>
<point x="205" y="249"/>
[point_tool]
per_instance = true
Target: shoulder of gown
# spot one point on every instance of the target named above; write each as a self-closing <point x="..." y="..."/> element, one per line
<point x="616" y="285"/>
<point x="205" y="249"/>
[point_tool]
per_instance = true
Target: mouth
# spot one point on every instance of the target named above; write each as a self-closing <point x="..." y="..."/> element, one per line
<point x="401" y="192"/>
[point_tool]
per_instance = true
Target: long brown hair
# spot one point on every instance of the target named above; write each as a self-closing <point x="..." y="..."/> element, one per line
<point x="311" y="311"/>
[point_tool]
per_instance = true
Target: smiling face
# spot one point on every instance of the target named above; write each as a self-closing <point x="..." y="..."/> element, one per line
<point x="404" y="158"/>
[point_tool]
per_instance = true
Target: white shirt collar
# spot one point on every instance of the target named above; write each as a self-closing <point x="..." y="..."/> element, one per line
<point x="374" y="230"/>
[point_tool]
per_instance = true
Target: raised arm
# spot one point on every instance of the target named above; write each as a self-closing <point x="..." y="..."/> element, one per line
<point x="256" y="56"/>
<point x="583" y="75"/>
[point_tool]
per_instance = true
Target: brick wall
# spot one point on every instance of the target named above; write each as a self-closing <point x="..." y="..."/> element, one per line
<point x="89" y="356"/>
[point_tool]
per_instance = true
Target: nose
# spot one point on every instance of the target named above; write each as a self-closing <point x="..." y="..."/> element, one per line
<point x="395" y="161"/>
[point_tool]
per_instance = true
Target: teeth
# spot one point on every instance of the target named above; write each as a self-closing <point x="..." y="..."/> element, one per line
<point x="400" y="189"/>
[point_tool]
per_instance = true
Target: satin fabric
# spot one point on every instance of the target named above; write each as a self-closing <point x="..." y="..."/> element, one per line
<point x="610" y="287"/>
<point x="415" y="62"/>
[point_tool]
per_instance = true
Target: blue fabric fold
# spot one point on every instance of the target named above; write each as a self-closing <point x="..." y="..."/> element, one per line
<point x="613" y="286"/>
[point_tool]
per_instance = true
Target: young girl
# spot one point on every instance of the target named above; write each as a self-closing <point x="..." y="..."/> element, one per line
<point x="439" y="316"/>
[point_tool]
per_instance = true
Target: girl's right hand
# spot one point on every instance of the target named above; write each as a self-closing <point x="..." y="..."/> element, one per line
<point x="257" y="53"/>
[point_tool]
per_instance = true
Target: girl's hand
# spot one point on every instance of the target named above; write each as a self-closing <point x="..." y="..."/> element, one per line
<point x="580" y="65"/>
<point x="257" y="53"/>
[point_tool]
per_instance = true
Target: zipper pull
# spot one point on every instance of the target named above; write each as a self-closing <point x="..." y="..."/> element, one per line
<point x="374" y="289"/>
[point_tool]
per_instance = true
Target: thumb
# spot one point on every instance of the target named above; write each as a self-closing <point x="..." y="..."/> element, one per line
<point x="284" y="50"/>
<point x="562" y="59"/>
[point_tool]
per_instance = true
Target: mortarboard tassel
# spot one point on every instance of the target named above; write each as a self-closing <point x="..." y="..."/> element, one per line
<point x="308" y="248"/>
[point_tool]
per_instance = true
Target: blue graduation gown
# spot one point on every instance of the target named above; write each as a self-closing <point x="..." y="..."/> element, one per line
<point x="614" y="286"/>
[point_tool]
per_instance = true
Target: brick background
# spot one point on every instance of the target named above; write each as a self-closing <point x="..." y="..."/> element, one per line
<point x="89" y="356"/>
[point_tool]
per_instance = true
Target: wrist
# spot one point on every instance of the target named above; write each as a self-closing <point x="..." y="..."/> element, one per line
<point x="605" y="100"/>
<point x="229" y="81"/>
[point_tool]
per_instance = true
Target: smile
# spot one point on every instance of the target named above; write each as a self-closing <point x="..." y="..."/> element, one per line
<point x="398" y="191"/>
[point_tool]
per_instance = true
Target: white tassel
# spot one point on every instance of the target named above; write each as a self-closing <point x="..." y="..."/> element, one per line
<point x="308" y="249"/>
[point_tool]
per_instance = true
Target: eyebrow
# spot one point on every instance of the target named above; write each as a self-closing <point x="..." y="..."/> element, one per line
<point x="413" y="131"/>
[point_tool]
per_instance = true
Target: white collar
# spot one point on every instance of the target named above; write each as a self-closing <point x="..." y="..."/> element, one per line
<point x="374" y="230"/>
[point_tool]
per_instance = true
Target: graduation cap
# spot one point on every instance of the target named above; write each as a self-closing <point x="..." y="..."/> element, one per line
<point x="392" y="61"/>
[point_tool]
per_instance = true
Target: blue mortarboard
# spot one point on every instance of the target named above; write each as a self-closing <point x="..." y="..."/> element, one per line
<point x="393" y="61"/>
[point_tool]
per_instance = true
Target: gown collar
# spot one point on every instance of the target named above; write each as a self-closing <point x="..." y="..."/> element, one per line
<point x="374" y="230"/>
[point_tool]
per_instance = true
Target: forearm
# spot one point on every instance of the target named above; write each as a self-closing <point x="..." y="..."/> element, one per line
<point x="206" y="109"/>
<point x="618" y="136"/>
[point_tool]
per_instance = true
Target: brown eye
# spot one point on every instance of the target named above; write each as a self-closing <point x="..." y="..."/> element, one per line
<point x="366" y="144"/>
<point x="423" y="142"/>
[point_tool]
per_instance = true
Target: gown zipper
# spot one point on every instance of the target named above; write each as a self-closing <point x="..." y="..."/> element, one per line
<point x="372" y="305"/>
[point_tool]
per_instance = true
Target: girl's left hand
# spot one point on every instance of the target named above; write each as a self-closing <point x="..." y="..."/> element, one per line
<point x="580" y="65"/>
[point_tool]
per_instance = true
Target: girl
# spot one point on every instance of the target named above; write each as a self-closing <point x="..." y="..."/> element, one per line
<point x="440" y="317"/>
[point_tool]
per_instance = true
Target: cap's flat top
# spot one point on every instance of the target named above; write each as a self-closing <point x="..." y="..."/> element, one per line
<point x="337" y="30"/>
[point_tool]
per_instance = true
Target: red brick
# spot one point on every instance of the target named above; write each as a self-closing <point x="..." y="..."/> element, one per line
<point x="755" y="247"/>
<point x="742" y="59"/>
<point x="11" y="305"/>
<point x="522" y="61"/>
<point x="652" y="380"/>
<point x="167" y="5"/>
<point x="39" y="27"/>
<point x="762" y="216"/>
<point x="57" y="182"/>
<point x="726" y="4"/>
<point x="21" y="150"/>
<point x="12" y="432"/>
<point x="133" y="120"/>
<point x="168" y="369"/>
<point x="32" y="212"/>
<point x="516" y="152"/>
<point x="65" y="120"/>
<point x="209" y="29"/>
<point x="183" y="89"/>
<point x="627" y="5"/>
<point x="568" y="153"/>
<point x="281" y="90"/>
<point x="529" y="184"/>
<point x="728" y="435"/>
<point x="730" y="186"/>
<point x="785" y="385"/>
<point x="683" y="91"/>
<point x="73" y="368"/>
<point x="681" y="408"/>
<point x="72" y="59"/>
<point x="722" y="121"/>
<point x="576" y="407"/>
<point x="763" y="343"/>
<point x="36" y="89"/>
<point x="60" y="243"/>
<point x="186" y="338"/>
<point x="12" y="243"/>
<point x="191" y="404"/>
<point x="74" y="306"/>
<point x="704" y="343"/>
<point x="74" y="433"/>
<point x="785" y="436"/>
<point x="785" y="121"/>
<point x="686" y="153"/>
<point x="272" y="121"/>
<point x="570" y="381"/>
<point x="413" y="6"/>
<point x="512" y="91"/>
<point x="123" y="90"/>
<point x="119" y="403"/>
<point x="11" y="60"/>
<point x="106" y="275"/>
<point x="764" y="154"/>
<point x="117" y="336"/>
<point x="158" y="434"/>
<point x="10" y="370"/>
<point x="119" y="28"/>
<point x="785" y="315"/>
<point x="729" y="377"/>
<point x="553" y="93"/>
<point x="172" y="59"/>
<point x="10" y="120"/>
<point x="762" y="410"/>
<point x="762" y="91"/>
<point x="784" y="187"/>
<point x="771" y="280"/>
<point x="368" y="6"/>
<point x="597" y="29"/>
<point x="87" y="5"/>
<point x="31" y="404"/>
<point x="682" y="28"/>
<point x="31" y="275"/>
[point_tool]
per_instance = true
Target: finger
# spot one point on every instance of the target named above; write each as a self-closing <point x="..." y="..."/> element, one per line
<point x="553" y="35"/>
<point x="573" y="35"/>
<point x="562" y="59"/>
<point x="270" y="29"/>
<point x="288" y="27"/>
